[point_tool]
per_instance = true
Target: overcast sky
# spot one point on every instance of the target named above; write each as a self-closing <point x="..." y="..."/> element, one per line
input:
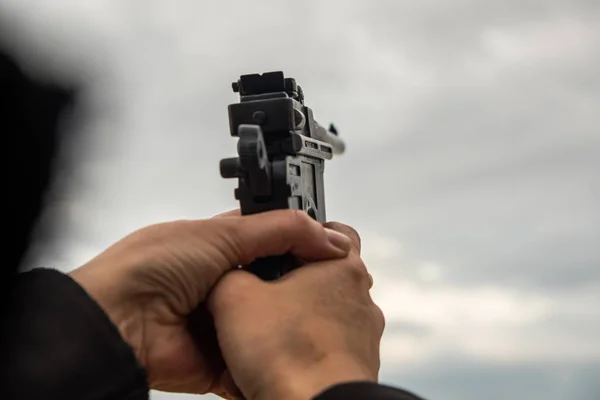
<point x="473" y="155"/>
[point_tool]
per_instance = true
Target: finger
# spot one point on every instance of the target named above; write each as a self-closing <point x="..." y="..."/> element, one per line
<point x="226" y="388"/>
<point x="233" y="288"/>
<point x="233" y="392"/>
<point x="346" y="230"/>
<point x="246" y="238"/>
<point x="379" y="318"/>
<point x="227" y="214"/>
<point x="313" y="275"/>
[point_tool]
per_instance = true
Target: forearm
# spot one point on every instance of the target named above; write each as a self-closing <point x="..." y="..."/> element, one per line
<point x="330" y="379"/>
<point x="365" y="390"/>
<point x="59" y="344"/>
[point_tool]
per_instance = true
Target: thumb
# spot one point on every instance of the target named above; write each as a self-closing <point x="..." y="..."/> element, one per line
<point x="243" y="239"/>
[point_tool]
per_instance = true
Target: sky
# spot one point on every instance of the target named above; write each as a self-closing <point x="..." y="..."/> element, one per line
<point x="471" y="171"/>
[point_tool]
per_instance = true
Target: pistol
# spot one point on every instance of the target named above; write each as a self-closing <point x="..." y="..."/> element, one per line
<point x="281" y="155"/>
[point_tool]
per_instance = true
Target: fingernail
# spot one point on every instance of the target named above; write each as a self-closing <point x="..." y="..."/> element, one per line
<point x="339" y="240"/>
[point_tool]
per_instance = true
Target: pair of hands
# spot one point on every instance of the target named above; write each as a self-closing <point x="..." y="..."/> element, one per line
<point x="197" y="324"/>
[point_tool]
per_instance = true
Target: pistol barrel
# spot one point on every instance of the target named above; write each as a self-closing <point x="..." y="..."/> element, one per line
<point x="331" y="137"/>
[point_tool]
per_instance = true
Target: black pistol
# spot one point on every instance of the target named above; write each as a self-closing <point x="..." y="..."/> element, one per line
<point x="281" y="155"/>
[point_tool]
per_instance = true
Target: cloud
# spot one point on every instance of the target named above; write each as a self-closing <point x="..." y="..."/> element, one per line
<point x="561" y="40"/>
<point x="471" y="169"/>
<point x="457" y="379"/>
<point x="429" y="319"/>
<point x="489" y="324"/>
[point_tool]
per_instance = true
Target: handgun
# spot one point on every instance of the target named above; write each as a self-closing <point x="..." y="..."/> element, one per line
<point x="281" y="155"/>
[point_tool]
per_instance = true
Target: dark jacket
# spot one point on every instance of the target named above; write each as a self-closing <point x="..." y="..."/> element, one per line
<point x="56" y="342"/>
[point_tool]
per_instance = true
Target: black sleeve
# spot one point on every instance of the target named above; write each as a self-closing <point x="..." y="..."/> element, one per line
<point x="365" y="390"/>
<point x="59" y="344"/>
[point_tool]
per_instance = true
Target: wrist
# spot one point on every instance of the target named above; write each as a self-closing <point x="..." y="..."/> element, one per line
<point x="107" y="293"/>
<point x="307" y="382"/>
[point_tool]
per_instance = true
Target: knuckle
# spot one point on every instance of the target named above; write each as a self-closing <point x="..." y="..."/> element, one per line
<point x="299" y="220"/>
<point x="227" y="235"/>
<point x="356" y="271"/>
<point x="379" y="317"/>
<point x="346" y="230"/>
<point x="226" y="293"/>
<point x="353" y="233"/>
<point x="224" y="226"/>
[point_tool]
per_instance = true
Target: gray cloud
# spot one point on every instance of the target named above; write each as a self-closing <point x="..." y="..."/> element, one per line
<point x="454" y="379"/>
<point x="471" y="168"/>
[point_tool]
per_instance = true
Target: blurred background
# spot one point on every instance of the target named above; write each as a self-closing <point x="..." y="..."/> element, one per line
<point x="471" y="172"/>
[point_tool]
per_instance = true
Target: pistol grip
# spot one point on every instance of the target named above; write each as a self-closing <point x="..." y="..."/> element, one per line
<point x="273" y="268"/>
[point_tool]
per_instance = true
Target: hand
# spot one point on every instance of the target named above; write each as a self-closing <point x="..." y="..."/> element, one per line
<point x="151" y="281"/>
<point x="293" y="338"/>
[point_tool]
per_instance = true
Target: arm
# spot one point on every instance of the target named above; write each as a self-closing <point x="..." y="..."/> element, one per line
<point x="43" y="362"/>
<point x="144" y="327"/>
<point x="59" y="344"/>
<point x="365" y="390"/>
